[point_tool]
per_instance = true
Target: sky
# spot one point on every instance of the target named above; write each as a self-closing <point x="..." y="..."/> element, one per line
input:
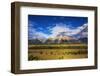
<point x="49" y="26"/>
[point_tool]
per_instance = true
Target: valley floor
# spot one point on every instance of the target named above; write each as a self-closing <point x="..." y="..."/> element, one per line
<point x="57" y="51"/>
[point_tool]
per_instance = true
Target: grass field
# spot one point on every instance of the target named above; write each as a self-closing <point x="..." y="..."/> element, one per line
<point x="57" y="51"/>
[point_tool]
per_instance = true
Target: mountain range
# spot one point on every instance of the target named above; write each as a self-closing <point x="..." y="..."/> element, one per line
<point x="63" y="37"/>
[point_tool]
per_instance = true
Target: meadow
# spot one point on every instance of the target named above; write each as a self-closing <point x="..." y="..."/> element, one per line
<point x="57" y="51"/>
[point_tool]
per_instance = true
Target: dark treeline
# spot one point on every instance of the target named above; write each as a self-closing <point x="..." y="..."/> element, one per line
<point x="58" y="47"/>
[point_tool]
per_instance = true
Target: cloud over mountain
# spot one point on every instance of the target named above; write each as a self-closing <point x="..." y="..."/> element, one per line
<point x="58" y="28"/>
<point x="54" y="31"/>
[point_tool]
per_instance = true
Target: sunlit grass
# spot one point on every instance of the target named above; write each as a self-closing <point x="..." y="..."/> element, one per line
<point x="36" y="53"/>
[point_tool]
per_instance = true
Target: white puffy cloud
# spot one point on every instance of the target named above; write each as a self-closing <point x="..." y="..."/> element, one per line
<point x="33" y="34"/>
<point x="41" y="35"/>
<point x="78" y="29"/>
<point x="64" y="28"/>
<point x="58" y="28"/>
<point x="31" y="30"/>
